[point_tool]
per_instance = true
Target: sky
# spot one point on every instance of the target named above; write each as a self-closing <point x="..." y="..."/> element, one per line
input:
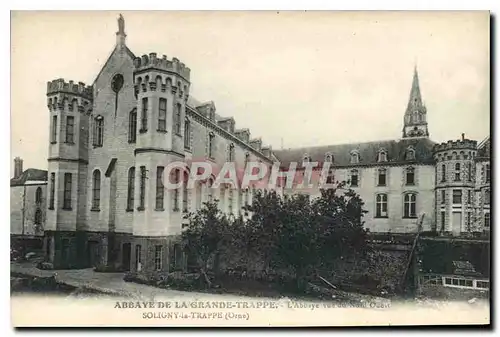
<point x="295" y="79"/>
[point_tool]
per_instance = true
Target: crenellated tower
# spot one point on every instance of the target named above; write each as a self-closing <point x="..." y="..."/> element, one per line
<point x="455" y="184"/>
<point x="415" y="119"/>
<point x="70" y="106"/>
<point x="162" y="89"/>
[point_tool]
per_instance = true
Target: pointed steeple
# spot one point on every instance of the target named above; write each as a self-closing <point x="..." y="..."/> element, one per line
<point x="415" y="119"/>
<point x="415" y="100"/>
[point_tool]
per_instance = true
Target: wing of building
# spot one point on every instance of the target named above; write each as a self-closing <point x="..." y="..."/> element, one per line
<point x="111" y="142"/>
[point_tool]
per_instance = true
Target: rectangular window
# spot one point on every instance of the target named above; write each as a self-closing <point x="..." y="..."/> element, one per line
<point x="487" y="220"/>
<point x="144" y="115"/>
<point x="469" y="171"/>
<point x="158" y="257"/>
<point x="381" y="210"/>
<point x="52" y="190"/>
<point x="160" y="191"/>
<point x="443" y="173"/>
<point x="70" y="129"/>
<point x="142" y="186"/>
<point x="54" y="129"/>
<point x="162" y="115"/>
<point x="184" y="197"/>
<point x="457" y="172"/>
<point x="187" y="135"/>
<point x="67" y="191"/>
<point x="178" y="117"/>
<point x="177" y="177"/>
<point x="211" y="145"/>
<point x="482" y="284"/>
<point x="488" y="173"/>
<point x="486" y="197"/>
<point x="443" y="197"/>
<point x="382" y="177"/>
<point x="469" y="196"/>
<point x="443" y="220"/>
<point x="447" y="280"/>
<point x="468" y="220"/>
<point x="457" y="197"/>
<point x="354" y="178"/>
<point x="132" y="126"/>
<point x="131" y="189"/>
<point x="230" y="201"/>
<point x="410" y="176"/>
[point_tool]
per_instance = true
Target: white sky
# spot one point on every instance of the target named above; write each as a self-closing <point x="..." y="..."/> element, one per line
<point x="309" y="78"/>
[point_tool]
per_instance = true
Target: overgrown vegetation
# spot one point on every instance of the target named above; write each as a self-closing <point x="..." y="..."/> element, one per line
<point x="284" y="236"/>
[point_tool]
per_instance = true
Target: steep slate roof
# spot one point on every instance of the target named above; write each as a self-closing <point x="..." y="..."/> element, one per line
<point x="368" y="152"/>
<point x="30" y="174"/>
<point x="484" y="149"/>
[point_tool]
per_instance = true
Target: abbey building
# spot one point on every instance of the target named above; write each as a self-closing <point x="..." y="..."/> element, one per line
<point x="110" y="142"/>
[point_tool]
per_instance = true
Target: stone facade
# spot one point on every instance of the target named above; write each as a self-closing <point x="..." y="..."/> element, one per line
<point x="111" y="141"/>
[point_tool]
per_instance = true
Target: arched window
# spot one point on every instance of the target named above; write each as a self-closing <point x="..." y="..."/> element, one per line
<point x="230" y="156"/>
<point x="38" y="196"/>
<point x="410" y="205"/>
<point x="96" y="190"/>
<point x="211" y="140"/>
<point x="381" y="206"/>
<point x="328" y="158"/>
<point x="443" y="173"/>
<point x="187" y="134"/>
<point x="457" y="172"/>
<point x="98" y="131"/>
<point x="306" y="158"/>
<point x="382" y="177"/>
<point x="131" y="189"/>
<point x="132" y="126"/>
<point x="410" y="176"/>
<point x="210" y="191"/>
<point x="354" y="178"/>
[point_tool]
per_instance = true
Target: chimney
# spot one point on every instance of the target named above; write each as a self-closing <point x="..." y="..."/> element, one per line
<point x="463" y="136"/>
<point x="18" y="167"/>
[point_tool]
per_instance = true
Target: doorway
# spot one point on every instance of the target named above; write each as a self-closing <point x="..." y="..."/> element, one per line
<point x="126" y="253"/>
<point x="456" y="223"/>
<point x="93" y="253"/>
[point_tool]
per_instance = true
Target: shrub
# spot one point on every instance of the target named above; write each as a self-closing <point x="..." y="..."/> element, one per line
<point x="45" y="266"/>
<point x="109" y="269"/>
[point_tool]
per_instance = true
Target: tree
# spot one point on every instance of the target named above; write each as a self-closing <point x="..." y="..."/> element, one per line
<point x="294" y="232"/>
<point x="207" y="231"/>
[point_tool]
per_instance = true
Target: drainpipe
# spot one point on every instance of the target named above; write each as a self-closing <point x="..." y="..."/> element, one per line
<point x="23" y="220"/>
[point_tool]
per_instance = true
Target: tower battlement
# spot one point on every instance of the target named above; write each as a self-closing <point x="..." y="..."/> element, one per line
<point x="78" y="89"/>
<point x="464" y="144"/>
<point x="152" y="61"/>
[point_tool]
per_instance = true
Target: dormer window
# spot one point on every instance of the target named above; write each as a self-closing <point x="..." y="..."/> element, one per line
<point x="306" y="159"/>
<point x="410" y="153"/>
<point x="354" y="157"/>
<point x="328" y="158"/>
<point x="382" y="156"/>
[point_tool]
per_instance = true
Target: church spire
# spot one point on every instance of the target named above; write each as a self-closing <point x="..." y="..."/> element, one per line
<point x="415" y="120"/>
<point x="120" y="34"/>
